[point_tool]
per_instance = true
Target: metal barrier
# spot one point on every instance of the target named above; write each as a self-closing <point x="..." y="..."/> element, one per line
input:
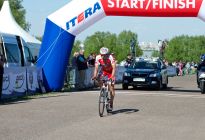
<point x="72" y="77"/>
<point x="21" y="81"/>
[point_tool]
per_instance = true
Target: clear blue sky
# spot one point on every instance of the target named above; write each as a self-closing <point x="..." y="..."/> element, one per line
<point x="148" y="29"/>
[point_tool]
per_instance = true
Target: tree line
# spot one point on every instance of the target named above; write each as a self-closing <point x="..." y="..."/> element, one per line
<point x="180" y="48"/>
<point x="185" y="48"/>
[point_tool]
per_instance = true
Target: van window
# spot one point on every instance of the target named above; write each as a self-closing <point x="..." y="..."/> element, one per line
<point x="28" y="54"/>
<point x="13" y="53"/>
<point x="1" y="49"/>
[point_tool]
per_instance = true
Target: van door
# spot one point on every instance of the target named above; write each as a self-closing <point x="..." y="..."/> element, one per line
<point x="29" y="60"/>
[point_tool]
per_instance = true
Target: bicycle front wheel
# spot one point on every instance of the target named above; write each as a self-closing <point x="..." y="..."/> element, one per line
<point x="101" y="103"/>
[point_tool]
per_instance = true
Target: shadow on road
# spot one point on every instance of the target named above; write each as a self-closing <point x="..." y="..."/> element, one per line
<point x="178" y="89"/>
<point x="171" y="89"/>
<point x="13" y="102"/>
<point x="20" y="100"/>
<point x="124" y="111"/>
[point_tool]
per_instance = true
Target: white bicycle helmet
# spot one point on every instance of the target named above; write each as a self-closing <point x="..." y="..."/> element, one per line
<point x="104" y="50"/>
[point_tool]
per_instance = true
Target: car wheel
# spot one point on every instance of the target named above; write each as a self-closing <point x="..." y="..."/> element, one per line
<point x="159" y="85"/>
<point x="124" y="86"/>
<point x="165" y="85"/>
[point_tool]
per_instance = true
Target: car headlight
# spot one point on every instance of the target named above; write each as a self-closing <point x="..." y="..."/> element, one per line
<point x="202" y="75"/>
<point x="153" y="75"/>
<point x="127" y="74"/>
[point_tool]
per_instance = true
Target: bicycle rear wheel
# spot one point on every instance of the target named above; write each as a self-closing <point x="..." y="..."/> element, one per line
<point x="101" y="103"/>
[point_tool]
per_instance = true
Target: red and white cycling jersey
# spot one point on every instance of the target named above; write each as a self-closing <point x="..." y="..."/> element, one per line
<point x="105" y="64"/>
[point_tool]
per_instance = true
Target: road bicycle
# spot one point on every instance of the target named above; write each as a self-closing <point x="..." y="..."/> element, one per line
<point x="104" y="97"/>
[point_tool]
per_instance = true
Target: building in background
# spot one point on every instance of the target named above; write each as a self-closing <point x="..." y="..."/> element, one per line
<point x="148" y="48"/>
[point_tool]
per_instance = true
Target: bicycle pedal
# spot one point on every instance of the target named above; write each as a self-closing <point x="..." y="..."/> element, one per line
<point x="109" y="109"/>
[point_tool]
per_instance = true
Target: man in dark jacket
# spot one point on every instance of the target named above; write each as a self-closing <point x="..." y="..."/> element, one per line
<point x="82" y="66"/>
<point x="129" y="60"/>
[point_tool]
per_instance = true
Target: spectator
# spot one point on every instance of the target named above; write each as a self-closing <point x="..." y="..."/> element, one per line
<point x="91" y="60"/>
<point x="188" y="68"/>
<point x="180" y="66"/>
<point x="74" y="59"/>
<point x="82" y="66"/>
<point x="166" y="62"/>
<point x="193" y="67"/>
<point x="71" y="73"/>
<point x="129" y="60"/>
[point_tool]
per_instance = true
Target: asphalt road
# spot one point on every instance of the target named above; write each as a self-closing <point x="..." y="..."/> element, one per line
<point x="173" y="114"/>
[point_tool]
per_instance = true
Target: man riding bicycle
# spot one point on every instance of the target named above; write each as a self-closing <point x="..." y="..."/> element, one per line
<point x="108" y="68"/>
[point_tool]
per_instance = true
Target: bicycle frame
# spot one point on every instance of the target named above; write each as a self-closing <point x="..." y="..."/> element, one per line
<point x="104" y="98"/>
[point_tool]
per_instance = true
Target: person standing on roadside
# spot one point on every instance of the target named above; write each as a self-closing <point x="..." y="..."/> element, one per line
<point x="82" y="66"/>
<point x="129" y="60"/>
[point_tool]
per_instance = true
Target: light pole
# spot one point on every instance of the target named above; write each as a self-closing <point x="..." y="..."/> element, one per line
<point x="133" y="48"/>
<point x="161" y="45"/>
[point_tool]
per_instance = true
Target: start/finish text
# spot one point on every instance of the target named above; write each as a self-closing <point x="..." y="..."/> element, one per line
<point x="153" y="4"/>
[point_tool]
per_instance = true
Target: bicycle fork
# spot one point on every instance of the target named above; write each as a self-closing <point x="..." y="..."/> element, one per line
<point x="105" y="94"/>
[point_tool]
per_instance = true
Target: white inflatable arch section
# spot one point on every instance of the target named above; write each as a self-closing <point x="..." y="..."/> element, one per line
<point x="66" y="23"/>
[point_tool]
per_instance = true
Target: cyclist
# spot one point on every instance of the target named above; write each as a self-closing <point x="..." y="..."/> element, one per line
<point x="108" y="68"/>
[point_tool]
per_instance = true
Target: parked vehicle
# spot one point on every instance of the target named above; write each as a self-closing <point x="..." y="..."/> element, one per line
<point x="20" y="76"/>
<point x="15" y="51"/>
<point x="150" y="73"/>
<point x="201" y="79"/>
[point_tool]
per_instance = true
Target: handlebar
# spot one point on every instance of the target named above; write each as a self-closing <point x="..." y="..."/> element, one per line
<point x="104" y="79"/>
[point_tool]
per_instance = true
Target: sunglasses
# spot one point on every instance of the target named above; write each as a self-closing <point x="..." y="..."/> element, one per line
<point x="104" y="55"/>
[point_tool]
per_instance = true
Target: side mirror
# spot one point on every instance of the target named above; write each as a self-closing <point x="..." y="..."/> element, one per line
<point x="32" y="60"/>
<point x="35" y="59"/>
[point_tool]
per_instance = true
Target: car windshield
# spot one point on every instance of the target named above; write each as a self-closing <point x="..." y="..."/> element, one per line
<point x="144" y="65"/>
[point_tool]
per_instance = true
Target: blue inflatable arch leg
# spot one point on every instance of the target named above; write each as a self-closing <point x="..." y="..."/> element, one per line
<point x="54" y="54"/>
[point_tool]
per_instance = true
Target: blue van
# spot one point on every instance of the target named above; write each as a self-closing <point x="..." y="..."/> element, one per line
<point x="15" y="51"/>
<point x="20" y="77"/>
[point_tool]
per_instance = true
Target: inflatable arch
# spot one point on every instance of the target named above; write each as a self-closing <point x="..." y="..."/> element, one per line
<point x="66" y="23"/>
